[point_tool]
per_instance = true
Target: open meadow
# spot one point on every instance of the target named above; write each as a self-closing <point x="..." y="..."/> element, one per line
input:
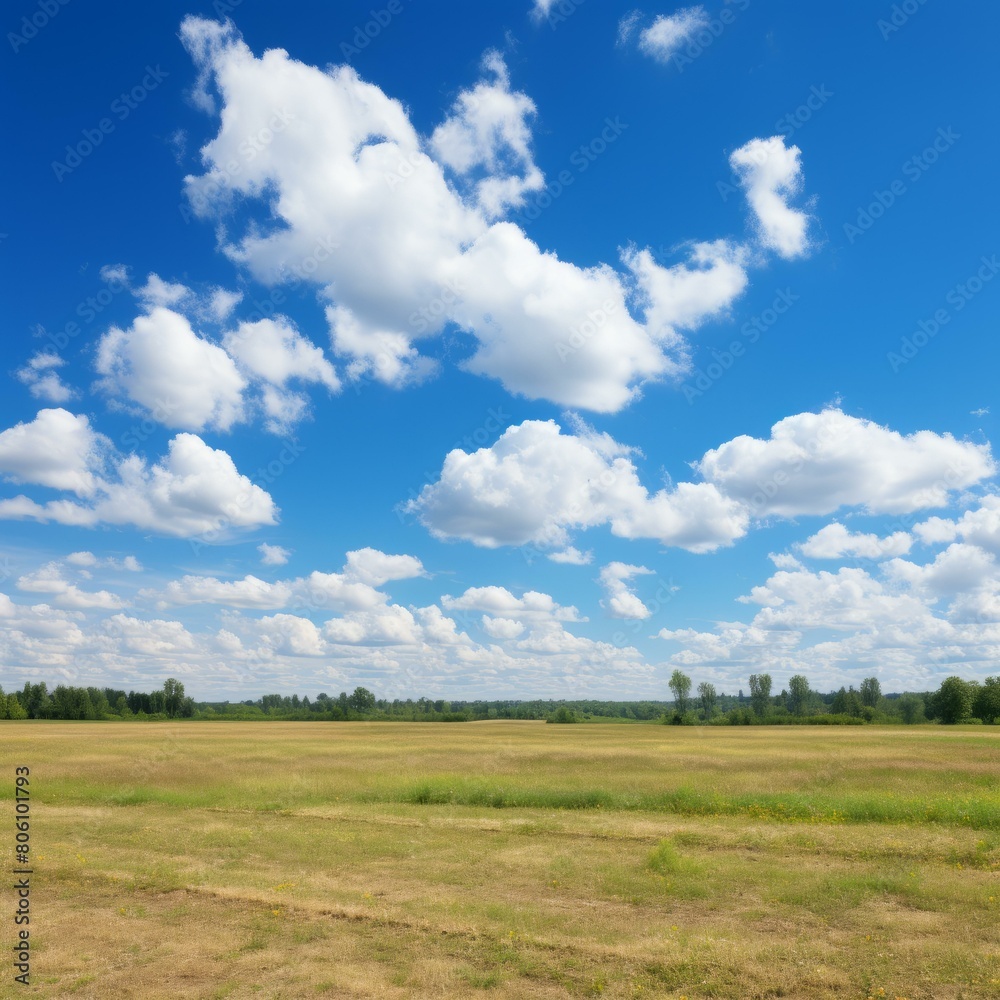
<point x="509" y="859"/>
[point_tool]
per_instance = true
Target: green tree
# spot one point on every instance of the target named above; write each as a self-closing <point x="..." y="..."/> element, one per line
<point x="847" y="703"/>
<point x="911" y="708"/>
<point x="871" y="692"/>
<point x="953" y="700"/>
<point x="986" y="704"/>
<point x="708" y="697"/>
<point x="173" y="696"/>
<point x="798" y="694"/>
<point x="680" y="685"/>
<point x="362" y="701"/>
<point x="760" y="694"/>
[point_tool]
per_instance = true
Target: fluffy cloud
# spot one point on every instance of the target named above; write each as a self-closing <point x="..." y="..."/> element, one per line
<point x="42" y="380"/>
<point x="193" y="490"/>
<point x="572" y="557"/>
<point x="536" y="484"/>
<point x="273" y="352"/>
<point x="500" y="602"/>
<point x="622" y="602"/>
<point x="49" y="580"/>
<point x="373" y="567"/>
<point x="401" y="235"/>
<point x="815" y="463"/>
<point x="669" y="32"/>
<point x="980" y="527"/>
<point x="163" y="365"/>
<point x="770" y="173"/>
<point x="351" y="590"/>
<point x="488" y="129"/>
<point x="273" y="555"/>
<point x="56" y="449"/>
<point x="835" y="541"/>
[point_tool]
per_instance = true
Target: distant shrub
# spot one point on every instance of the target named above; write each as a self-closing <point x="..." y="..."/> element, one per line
<point x="563" y="714"/>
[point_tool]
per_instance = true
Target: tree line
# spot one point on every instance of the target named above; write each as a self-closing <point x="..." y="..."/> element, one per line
<point x="956" y="700"/>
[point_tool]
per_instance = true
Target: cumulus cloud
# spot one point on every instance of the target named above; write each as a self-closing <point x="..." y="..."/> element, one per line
<point x="814" y="463"/>
<point x="670" y="31"/>
<point x="771" y="172"/>
<point x="571" y="556"/>
<point x="57" y="449"/>
<point x="835" y="541"/>
<point x="193" y="490"/>
<point x="42" y="380"/>
<point x="402" y="234"/>
<point x="488" y="129"/>
<point x="980" y="526"/>
<point x="183" y="380"/>
<point x="622" y="601"/>
<point x="500" y="602"/>
<point x="536" y="484"/>
<point x="273" y="555"/>
<point x="353" y="589"/>
<point x="49" y="580"/>
<point x="375" y="568"/>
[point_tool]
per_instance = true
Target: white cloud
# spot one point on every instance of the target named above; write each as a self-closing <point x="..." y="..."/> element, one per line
<point x="980" y="527"/>
<point x="536" y="484"/>
<point x="373" y="567"/>
<point x="273" y="352"/>
<point x="835" y="541"/>
<point x="193" y="490"/>
<point x="502" y="628"/>
<point x="183" y="380"/>
<point x="815" y="463"/>
<point x="488" y="129"/>
<point x="400" y="244"/>
<point x="87" y="560"/>
<point x="622" y="601"/>
<point x="159" y="293"/>
<point x="541" y="8"/>
<point x="500" y="602"/>
<point x="572" y="557"/>
<point x="627" y="26"/>
<point x="49" y="580"/>
<point x="273" y="555"/>
<point x="770" y="173"/>
<point x="56" y="449"/>
<point x="669" y="32"/>
<point x="250" y="592"/>
<point x="42" y="381"/>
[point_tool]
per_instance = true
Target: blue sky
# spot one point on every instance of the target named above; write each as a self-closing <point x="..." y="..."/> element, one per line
<point x="534" y="355"/>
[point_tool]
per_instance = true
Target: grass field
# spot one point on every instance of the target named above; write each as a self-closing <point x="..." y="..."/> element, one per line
<point x="509" y="859"/>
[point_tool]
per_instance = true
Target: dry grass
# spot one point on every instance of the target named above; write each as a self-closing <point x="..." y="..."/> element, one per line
<point x="297" y="860"/>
